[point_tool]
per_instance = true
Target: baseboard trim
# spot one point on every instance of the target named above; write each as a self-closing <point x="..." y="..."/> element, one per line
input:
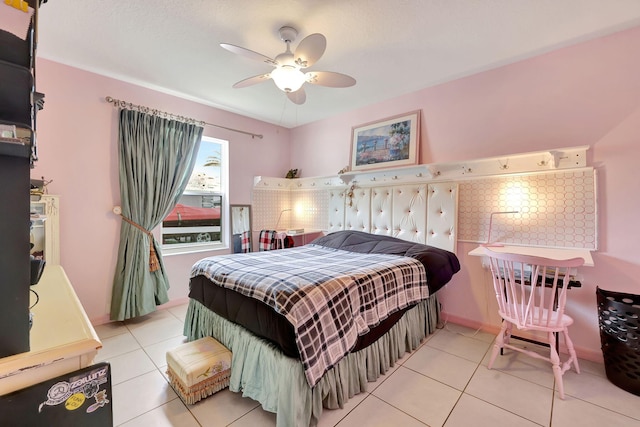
<point x="104" y="319"/>
<point x="581" y="352"/>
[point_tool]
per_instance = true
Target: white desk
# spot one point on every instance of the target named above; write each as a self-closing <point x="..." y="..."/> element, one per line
<point x="553" y="253"/>
<point x="311" y="234"/>
<point x="303" y="235"/>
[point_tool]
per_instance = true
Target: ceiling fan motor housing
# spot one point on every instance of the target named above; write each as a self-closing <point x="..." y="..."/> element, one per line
<point x="288" y="34"/>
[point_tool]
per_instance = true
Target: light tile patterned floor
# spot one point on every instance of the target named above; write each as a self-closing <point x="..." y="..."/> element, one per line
<point x="443" y="383"/>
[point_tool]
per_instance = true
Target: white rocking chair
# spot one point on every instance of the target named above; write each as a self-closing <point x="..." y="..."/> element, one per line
<point x="532" y="293"/>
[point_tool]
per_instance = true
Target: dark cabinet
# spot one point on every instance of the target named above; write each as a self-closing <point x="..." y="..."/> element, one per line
<point x="18" y="107"/>
<point x="14" y="249"/>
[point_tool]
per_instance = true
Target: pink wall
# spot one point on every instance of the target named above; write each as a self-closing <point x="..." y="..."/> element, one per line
<point x="77" y="140"/>
<point x="587" y="94"/>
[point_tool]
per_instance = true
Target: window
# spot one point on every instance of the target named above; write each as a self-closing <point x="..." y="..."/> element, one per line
<point x="197" y="222"/>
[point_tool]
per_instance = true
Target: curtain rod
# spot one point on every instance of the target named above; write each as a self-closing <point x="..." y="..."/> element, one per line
<point x="143" y="109"/>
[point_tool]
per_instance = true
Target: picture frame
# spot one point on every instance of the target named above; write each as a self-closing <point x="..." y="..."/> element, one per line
<point x="391" y="142"/>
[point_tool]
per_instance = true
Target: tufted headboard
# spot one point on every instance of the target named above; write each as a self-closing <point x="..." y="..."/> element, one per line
<point x="420" y="212"/>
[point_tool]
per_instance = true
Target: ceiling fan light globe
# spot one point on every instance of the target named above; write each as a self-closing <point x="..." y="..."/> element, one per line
<point x="288" y="78"/>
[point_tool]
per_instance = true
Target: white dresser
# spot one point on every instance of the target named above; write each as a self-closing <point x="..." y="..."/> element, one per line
<point x="62" y="339"/>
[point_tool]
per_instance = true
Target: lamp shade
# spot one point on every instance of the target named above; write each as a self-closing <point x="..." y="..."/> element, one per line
<point x="288" y="78"/>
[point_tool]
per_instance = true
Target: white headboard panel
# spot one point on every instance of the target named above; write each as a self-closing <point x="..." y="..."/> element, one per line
<point x="442" y="216"/>
<point x="381" y="214"/>
<point x="358" y="216"/>
<point x="419" y="212"/>
<point x="410" y="212"/>
<point x="336" y="209"/>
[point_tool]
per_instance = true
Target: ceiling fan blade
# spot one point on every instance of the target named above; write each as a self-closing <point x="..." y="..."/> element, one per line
<point x="297" y="97"/>
<point x="310" y="50"/>
<point x="329" y="79"/>
<point x="252" y="81"/>
<point x="248" y="53"/>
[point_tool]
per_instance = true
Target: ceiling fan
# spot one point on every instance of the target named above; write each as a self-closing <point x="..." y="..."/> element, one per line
<point x="288" y="74"/>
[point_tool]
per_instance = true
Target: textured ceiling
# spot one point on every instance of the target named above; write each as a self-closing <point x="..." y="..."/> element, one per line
<point x="390" y="47"/>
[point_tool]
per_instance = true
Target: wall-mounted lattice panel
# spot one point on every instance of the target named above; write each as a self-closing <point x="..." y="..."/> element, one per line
<point x="267" y="206"/>
<point x="556" y="209"/>
<point x="308" y="209"/>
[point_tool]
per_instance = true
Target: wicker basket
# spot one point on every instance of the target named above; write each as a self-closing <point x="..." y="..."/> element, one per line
<point x="619" y="321"/>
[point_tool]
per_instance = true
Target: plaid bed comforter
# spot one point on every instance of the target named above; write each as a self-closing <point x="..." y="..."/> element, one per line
<point x="330" y="296"/>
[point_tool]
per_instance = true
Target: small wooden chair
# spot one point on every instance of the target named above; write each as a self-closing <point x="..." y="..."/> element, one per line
<point x="532" y="293"/>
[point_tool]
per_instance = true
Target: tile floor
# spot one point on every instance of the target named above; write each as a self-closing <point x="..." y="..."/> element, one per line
<point x="444" y="382"/>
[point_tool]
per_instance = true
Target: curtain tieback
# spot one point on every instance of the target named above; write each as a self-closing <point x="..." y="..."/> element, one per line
<point x="154" y="263"/>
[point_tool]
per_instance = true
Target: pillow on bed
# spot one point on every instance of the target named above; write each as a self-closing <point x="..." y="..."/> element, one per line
<point x="439" y="264"/>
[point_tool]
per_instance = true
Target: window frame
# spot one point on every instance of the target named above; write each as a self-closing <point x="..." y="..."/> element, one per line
<point x="223" y="244"/>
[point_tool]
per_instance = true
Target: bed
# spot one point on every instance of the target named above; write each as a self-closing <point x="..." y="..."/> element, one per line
<point x="378" y="302"/>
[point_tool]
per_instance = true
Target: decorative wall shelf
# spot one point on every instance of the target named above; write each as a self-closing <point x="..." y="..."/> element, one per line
<point x="407" y="173"/>
<point x="537" y="161"/>
<point x="318" y="182"/>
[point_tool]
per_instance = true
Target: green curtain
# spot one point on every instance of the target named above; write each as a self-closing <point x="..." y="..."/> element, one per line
<point x="156" y="158"/>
